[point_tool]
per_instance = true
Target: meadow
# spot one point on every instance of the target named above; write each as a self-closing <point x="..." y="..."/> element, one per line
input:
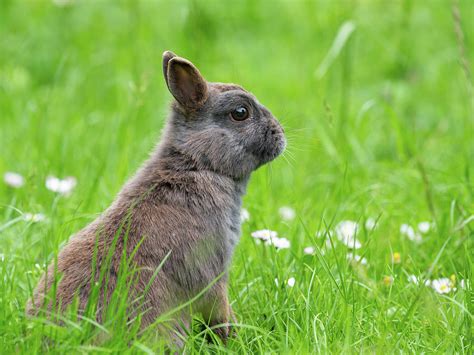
<point x="376" y="185"/>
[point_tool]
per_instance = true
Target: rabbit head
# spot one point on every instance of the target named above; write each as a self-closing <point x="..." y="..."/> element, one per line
<point x="218" y="127"/>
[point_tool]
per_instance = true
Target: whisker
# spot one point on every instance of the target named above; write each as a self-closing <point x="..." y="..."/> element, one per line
<point x="288" y="155"/>
<point x="287" y="160"/>
<point x="299" y="129"/>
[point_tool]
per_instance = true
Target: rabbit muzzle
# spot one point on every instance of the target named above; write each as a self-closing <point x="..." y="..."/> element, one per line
<point x="275" y="141"/>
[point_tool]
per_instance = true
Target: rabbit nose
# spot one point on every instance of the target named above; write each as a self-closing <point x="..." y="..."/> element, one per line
<point x="276" y="128"/>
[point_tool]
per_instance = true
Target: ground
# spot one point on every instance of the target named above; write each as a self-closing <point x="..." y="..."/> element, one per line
<point x="377" y="101"/>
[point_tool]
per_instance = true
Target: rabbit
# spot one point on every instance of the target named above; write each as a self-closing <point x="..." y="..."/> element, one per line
<point x="181" y="209"/>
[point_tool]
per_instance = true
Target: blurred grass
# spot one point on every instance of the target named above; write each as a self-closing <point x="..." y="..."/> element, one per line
<point x="386" y="131"/>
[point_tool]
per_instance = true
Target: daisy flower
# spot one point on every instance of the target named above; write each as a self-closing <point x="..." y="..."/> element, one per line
<point x="287" y="213"/>
<point x="264" y="234"/>
<point x="61" y="186"/>
<point x="271" y="238"/>
<point x="309" y="250"/>
<point x="370" y="224"/>
<point x="244" y="215"/>
<point x="415" y="280"/>
<point x="391" y="311"/>
<point x="14" y="180"/>
<point x="356" y="258"/>
<point x="291" y="281"/>
<point x="346" y="233"/>
<point x="424" y="227"/>
<point x="33" y="217"/>
<point x="410" y="233"/>
<point x="443" y="285"/>
<point x="279" y="243"/>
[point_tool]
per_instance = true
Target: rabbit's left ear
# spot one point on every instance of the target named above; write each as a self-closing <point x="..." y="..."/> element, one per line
<point x="167" y="56"/>
<point x="185" y="82"/>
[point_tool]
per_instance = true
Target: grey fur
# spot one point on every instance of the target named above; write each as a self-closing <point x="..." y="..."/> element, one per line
<point x="185" y="200"/>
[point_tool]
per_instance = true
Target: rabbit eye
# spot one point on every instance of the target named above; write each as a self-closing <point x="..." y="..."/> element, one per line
<point x="240" y="113"/>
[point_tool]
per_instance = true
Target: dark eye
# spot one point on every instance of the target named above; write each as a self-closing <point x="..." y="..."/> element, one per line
<point x="240" y="113"/>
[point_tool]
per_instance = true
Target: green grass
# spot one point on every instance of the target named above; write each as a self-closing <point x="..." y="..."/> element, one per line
<point x="386" y="132"/>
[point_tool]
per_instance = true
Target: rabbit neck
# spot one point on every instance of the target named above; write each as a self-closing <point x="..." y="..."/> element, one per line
<point x="170" y="159"/>
<point x="169" y="164"/>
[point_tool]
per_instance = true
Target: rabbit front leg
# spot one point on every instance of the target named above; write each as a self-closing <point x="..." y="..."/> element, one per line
<point x="178" y="332"/>
<point x="217" y="311"/>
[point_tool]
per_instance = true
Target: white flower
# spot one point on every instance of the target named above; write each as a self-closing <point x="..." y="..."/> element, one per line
<point x="291" y="281"/>
<point x="61" y="186"/>
<point x="408" y="230"/>
<point x="309" y="250"/>
<point x="415" y="280"/>
<point x="391" y="311"/>
<point x="442" y="285"/>
<point x="356" y="258"/>
<point x="346" y="233"/>
<point x="346" y="229"/>
<point x="424" y="227"/>
<point x="370" y="224"/>
<point x="244" y="215"/>
<point x="34" y="217"/>
<point x="13" y="179"/>
<point x="264" y="234"/>
<point x="287" y="213"/>
<point x="279" y="243"/>
<point x="271" y="238"/>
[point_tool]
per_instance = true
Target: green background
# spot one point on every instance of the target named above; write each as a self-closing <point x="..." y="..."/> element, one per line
<point x="386" y="131"/>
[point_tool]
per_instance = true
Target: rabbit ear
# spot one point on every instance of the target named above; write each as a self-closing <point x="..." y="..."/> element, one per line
<point x="166" y="58"/>
<point x="185" y="82"/>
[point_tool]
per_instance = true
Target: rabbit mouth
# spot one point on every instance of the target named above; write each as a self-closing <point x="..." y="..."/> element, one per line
<point x="281" y="145"/>
<point x="275" y="148"/>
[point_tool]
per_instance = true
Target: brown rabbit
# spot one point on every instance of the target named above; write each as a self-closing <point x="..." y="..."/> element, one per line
<point x="183" y="205"/>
